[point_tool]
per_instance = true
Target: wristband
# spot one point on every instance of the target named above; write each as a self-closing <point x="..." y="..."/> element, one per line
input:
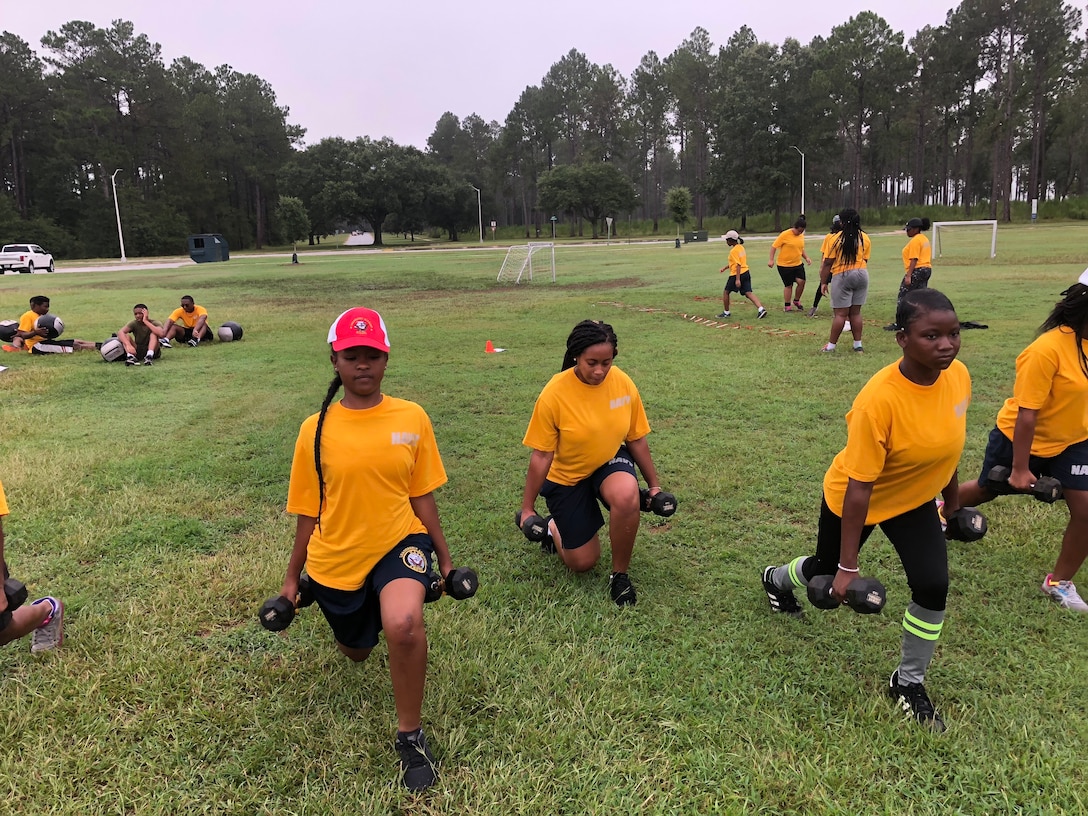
<point x="847" y="569"/>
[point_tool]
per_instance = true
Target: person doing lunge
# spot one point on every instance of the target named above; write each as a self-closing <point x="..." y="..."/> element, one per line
<point x="587" y="433"/>
<point x="905" y="435"/>
<point x="1042" y="430"/>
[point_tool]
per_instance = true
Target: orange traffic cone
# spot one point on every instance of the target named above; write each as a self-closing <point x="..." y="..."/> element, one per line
<point x="489" y="348"/>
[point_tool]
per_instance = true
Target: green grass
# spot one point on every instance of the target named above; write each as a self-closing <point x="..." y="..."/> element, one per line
<point x="151" y="500"/>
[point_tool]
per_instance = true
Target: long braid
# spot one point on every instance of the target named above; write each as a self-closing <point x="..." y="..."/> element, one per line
<point x="850" y="238"/>
<point x="1071" y="311"/>
<point x="585" y="334"/>
<point x="334" y="387"/>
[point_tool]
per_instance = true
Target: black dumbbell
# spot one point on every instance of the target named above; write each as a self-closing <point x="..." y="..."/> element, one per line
<point x="460" y="583"/>
<point x="15" y="592"/>
<point x="966" y="524"/>
<point x="866" y="596"/>
<point x="277" y="613"/>
<point x="533" y="527"/>
<point x="661" y="503"/>
<point x="1047" y="489"/>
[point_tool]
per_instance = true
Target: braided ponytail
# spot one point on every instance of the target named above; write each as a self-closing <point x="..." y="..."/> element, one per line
<point x="850" y="239"/>
<point x="1071" y="311"/>
<point x="585" y="334"/>
<point x="334" y="387"/>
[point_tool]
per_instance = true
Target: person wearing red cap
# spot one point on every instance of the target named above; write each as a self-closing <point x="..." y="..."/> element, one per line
<point x="362" y="485"/>
<point x="1042" y="430"/>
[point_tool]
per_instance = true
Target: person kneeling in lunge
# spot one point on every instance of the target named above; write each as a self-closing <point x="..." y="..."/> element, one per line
<point x="905" y="435"/>
<point x="587" y="434"/>
<point x="362" y="485"/>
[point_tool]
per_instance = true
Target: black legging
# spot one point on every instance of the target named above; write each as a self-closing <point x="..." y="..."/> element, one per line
<point x="916" y="536"/>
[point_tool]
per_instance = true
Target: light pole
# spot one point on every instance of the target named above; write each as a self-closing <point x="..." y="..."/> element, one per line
<point x="117" y="209"/>
<point x="795" y="147"/>
<point x="479" y="211"/>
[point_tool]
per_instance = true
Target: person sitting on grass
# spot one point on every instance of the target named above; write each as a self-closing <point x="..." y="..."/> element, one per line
<point x="36" y="340"/>
<point x="740" y="279"/>
<point x="1043" y="429"/>
<point x="368" y="532"/>
<point x="189" y="322"/>
<point x="43" y="619"/>
<point x="587" y="432"/>
<point x="140" y="337"/>
<point x="904" y="438"/>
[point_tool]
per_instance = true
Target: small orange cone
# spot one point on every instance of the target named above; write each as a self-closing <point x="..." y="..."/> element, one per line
<point x="489" y="348"/>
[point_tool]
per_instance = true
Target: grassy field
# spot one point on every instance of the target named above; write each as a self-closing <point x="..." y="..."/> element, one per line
<point x="151" y="501"/>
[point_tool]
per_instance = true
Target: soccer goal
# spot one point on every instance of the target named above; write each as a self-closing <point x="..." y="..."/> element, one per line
<point x="521" y="261"/>
<point x="965" y="239"/>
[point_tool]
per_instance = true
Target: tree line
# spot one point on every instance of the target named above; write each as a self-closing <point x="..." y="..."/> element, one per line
<point x="984" y="110"/>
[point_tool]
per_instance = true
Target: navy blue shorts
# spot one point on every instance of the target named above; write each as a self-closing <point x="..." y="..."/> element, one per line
<point x="354" y="615"/>
<point x="745" y="283"/>
<point x="1070" y="467"/>
<point x="575" y="508"/>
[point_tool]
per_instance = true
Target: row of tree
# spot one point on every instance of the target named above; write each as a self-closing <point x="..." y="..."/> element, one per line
<point x="988" y="108"/>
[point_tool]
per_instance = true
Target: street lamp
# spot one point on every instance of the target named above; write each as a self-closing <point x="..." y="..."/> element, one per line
<point x="117" y="209"/>
<point x="795" y="147"/>
<point x="479" y="211"/>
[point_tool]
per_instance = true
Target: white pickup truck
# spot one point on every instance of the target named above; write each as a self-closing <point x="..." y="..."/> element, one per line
<point x="25" y="258"/>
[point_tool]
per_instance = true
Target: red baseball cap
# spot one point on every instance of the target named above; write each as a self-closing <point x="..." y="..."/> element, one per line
<point x="359" y="327"/>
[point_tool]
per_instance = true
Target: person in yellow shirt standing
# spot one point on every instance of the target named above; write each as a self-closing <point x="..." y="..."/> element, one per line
<point x="189" y="321"/>
<point x="587" y="433"/>
<point x="1042" y="430"/>
<point x="791" y="263"/>
<point x="844" y="277"/>
<point x="905" y="435"/>
<point x="917" y="261"/>
<point x="362" y="485"/>
<point x="740" y="279"/>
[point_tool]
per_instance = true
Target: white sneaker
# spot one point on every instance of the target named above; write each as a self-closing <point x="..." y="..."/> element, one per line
<point x="49" y="635"/>
<point x="1064" y="593"/>
<point x="165" y="343"/>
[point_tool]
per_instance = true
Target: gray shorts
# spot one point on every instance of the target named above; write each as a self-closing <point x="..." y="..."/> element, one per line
<point x="849" y="288"/>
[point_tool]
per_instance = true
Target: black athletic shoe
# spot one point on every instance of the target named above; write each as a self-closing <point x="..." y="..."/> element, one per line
<point x="621" y="589"/>
<point x="417" y="763"/>
<point x="130" y="360"/>
<point x="781" y="600"/>
<point x="912" y="698"/>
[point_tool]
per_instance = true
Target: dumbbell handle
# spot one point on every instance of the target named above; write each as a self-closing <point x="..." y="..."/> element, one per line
<point x="460" y="584"/>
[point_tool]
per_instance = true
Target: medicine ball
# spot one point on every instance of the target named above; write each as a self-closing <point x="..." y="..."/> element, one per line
<point x="112" y="350"/>
<point x="53" y="325"/>
<point x="229" y="332"/>
<point x="8" y="329"/>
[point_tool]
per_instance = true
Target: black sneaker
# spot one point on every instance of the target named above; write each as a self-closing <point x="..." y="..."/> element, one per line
<point x="194" y="342"/>
<point x="781" y="600"/>
<point x="149" y="360"/>
<point x="130" y="360"/>
<point x="417" y="763"/>
<point x="621" y="589"/>
<point x="912" y="698"/>
<point x="547" y="546"/>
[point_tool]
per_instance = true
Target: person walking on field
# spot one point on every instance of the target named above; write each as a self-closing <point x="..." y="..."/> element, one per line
<point x="587" y="433"/>
<point x="791" y="263"/>
<point x="740" y="279"/>
<point x="917" y="261"/>
<point x="844" y="276"/>
<point x="904" y="438"/>
<point x="362" y="485"/>
<point x="1042" y="430"/>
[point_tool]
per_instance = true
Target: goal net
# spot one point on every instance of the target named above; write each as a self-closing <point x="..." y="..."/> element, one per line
<point x="523" y="260"/>
<point x="964" y="240"/>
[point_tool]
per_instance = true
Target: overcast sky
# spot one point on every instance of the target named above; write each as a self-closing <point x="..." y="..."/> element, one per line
<point x="385" y="68"/>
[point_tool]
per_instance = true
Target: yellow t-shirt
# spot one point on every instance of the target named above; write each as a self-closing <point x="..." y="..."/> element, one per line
<point x="918" y="247"/>
<point x="790" y="247"/>
<point x="188" y="319"/>
<point x="27" y="323"/>
<point x="738" y="260"/>
<point x="833" y="248"/>
<point x="3" y="501"/>
<point x="373" y="460"/>
<point x="905" y="438"/>
<point x="1049" y="379"/>
<point x="584" y="425"/>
